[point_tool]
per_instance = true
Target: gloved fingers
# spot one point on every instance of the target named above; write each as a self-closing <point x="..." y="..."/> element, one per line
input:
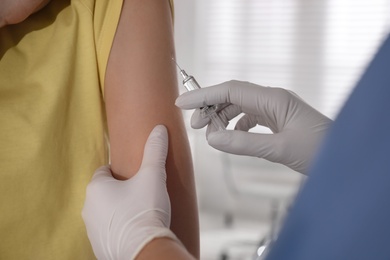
<point x="97" y="197"/>
<point x="210" y="129"/>
<point x="101" y="180"/>
<point x="243" y="143"/>
<point x="102" y="173"/>
<point x="246" y="122"/>
<point x="151" y="178"/>
<point x="156" y="148"/>
<point x="273" y="104"/>
<point x="230" y="112"/>
<point x="250" y="97"/>
<point x="226" y="114"/>
<point x="200" y="98"/>
<point x="226" y="92"/>
<point x="198" y="121"/>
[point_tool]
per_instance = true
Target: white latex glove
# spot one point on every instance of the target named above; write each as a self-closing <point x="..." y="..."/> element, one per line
<point x="297" y="127"/>
<point x="121" y="217"/>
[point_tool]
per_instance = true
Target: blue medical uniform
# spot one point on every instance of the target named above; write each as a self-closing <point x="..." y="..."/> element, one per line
<point x="343" y="211"/>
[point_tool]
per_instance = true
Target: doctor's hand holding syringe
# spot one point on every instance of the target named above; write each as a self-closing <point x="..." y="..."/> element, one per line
<point x="297" y="127"/>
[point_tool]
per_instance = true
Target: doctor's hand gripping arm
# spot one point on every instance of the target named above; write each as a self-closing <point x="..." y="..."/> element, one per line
<point x="130" y="219"/>
<point x="297" y="127"/>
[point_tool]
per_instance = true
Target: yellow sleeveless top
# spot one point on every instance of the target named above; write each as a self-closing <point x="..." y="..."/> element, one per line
<point x="52" y="126"/>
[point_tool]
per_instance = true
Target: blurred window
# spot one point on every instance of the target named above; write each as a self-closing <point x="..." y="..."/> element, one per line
<point x="316" y="48"/>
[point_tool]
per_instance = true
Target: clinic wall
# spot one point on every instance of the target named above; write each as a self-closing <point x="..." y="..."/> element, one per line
<point x="316" y="48"/>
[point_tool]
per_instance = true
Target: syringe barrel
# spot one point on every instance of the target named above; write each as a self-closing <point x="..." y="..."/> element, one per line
<point x="190" y="83"/>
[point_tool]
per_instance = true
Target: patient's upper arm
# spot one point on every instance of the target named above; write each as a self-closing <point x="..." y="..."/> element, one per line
<point x="140" y="84"/>
<point x="140" y="92"/>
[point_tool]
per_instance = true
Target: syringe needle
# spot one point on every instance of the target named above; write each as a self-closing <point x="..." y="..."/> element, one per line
<point x="176" y="64"/>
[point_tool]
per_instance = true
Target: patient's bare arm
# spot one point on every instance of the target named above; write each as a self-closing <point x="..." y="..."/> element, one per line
<point x="140" y="92"/>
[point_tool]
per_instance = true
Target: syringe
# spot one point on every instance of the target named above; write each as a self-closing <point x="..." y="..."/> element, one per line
<point x="211" y="112"/>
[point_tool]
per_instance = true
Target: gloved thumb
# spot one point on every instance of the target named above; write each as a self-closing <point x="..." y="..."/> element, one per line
<point x="156" y="148"/>
<point x="102" y="174"/>
<point x="244" y="143"/>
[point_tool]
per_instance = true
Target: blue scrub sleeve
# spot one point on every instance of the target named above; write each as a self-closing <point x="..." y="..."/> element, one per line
<point x="343" y="211"/>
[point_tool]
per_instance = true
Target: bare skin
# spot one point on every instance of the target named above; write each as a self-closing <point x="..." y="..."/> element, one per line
<point x="16" y="11"/>
<point x="164" y="249"/>
<point x="140" y="92"/>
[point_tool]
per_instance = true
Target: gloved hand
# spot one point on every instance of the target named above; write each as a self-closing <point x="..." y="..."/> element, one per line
<point x="121" y="217"/>
<point x="297" y="127"/>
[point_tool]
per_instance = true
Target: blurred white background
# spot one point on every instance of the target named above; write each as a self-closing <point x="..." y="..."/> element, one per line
<point x="318" y="49"/>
